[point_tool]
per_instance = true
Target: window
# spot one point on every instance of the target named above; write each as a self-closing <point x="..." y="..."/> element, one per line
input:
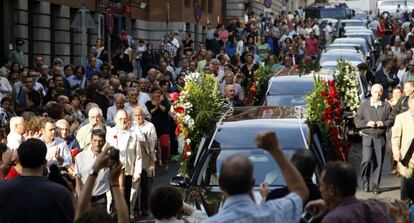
<point x="187" y="3"/>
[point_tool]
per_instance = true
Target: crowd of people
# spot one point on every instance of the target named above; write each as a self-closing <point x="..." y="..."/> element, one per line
<point x="103" y="131"/>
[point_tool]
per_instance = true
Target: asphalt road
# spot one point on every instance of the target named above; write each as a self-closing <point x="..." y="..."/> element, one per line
<point x="390" y="184"/>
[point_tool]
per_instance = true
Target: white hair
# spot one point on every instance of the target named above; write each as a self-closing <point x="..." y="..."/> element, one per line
<point x="61" y="123"/>
<point x="379" y="86"/>
<point x="119" y="95"/>
<point x="15" y="121"/>
<point x="119" y="112"/>
<point x="95" y="111"/>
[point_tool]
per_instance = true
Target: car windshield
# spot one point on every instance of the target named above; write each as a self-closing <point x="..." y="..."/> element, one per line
<point x="355" y="23"/>
<point x="285" y="100"/>
<point x="360" y="16"/>
<point x="264" y="166"/>
<point x="337" y="56"/>
<point x="297" y="87"/>
<point x="333" y="13"/>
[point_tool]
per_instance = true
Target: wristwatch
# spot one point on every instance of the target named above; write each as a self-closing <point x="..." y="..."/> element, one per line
<point x="92" y="172"/>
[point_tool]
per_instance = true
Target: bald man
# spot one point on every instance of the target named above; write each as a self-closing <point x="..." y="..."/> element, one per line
<point x="373" y="117"/>
<point x="119" y="103"/>
<point x="122" y="137"/>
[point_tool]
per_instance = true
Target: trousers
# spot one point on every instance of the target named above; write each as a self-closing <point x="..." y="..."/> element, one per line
<point x="372" y="159"/>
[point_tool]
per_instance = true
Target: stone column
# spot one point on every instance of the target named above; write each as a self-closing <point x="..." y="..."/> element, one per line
<point x="20" y="26"/>
<point x="42" y="31"/>
<point x="61" y="33"/>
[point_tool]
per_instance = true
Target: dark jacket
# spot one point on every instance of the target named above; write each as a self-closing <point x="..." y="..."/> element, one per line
<point x="367" y="113"/>
<point x="149" y="59"/>
<point x="103" y="102"/>
<point x="386" y="81"/>
<point x="314" y="192"/>
<point x="400" y="107"/>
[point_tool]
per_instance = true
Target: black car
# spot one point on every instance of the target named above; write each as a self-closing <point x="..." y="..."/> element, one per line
<point x="332" y="11"/>
<point x="235" y="135"/>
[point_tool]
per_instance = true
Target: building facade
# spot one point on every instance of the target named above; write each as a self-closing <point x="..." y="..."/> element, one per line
<point x="45" y="25"/>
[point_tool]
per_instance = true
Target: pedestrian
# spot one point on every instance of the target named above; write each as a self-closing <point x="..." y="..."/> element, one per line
<point x="142" y="189"/>
<point x="236" y="181"/>
<point x="373" y="118"/>
<point x="128" y="141"/>
<point x="403" y="145"/>
<point x="32" y="197"/>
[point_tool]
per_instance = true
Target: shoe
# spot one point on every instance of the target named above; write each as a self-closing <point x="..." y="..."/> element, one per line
<point x="375" y="189"/>
<point x="132" y="216"/>
<point x="365" y="186"/>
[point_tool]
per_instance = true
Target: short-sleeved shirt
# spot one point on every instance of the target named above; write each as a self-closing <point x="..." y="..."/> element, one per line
<point x="83" y="164"/>
<point x="35" y="199"/>
<point x="242" y="209"/>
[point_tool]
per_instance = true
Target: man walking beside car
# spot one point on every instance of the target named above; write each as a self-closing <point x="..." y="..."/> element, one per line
<point x="373" y="118"/>
<point x="236" y="180"/>
<point x="402" y="145"/>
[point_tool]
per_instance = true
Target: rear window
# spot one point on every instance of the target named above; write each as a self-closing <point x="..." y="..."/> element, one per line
<point x="298" y="87"/>
<point x="337" y="13"/>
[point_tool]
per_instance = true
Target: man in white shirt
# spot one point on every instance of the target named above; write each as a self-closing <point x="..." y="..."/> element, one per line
<point x="83" y="169"/>
<point x="95" y="117"/>
<point x="57" y="150"/>
<point x="129" y="143"/>
<point x="119" y="101"/>
<point x="143" y="187"/>
<point x="5" y="87"/>
<point x="17" y="129"/>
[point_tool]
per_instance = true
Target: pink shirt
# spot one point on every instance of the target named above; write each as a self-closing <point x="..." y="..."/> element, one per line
<point x="311" y="46"/>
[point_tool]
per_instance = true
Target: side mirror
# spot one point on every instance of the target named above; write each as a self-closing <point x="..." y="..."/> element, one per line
<point x="180" y="181"/>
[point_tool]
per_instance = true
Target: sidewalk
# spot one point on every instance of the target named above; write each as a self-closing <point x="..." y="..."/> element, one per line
<point x="390" y="184"/>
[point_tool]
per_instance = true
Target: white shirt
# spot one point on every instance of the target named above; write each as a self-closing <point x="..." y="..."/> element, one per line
<point x="14" y="140"/>
<point x="5" y="87"/>
<point x="149" y="133"/>
<point x="143" y="97"/>
<point x="58" y="143"/>
<point x="83" y="164"/>
<point x="401" y="74"/>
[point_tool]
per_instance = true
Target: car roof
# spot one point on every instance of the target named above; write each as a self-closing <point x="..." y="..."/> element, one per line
<point x="349" y="39"/>
<point x="341" y="52"/>
<point x="351" y="20"/>
<point x="262" y="113"/>
<point x="343" y="44"/>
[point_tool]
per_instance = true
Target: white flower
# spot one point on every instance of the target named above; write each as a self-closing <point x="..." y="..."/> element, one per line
<point x="188" y="141"/>
<point x="188" y="153"/>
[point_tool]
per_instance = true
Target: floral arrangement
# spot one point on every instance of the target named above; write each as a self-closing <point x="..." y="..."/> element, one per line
<point x="347" y="84"/>
<point x="325" y="115"/>
<point x="198" y="108"/>
<point x="257" y="86"/>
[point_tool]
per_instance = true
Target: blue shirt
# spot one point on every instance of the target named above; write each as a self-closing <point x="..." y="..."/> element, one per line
<point x="242" y="209"/>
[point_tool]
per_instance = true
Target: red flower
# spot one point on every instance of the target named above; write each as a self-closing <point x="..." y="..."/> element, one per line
<point x="115" y="136"/>
<point x="177" y="130"/>
<point x="323" y="93"/>
<point x="331" y="82"/>
<point x="187" y="148"/>
<point x="184" y="154"/>
<point x="338" y="111"/>
<point x="74" y="152"/>
<point x="179" y="110"/>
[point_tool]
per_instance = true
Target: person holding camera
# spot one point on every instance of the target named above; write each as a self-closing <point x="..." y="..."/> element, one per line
<point x="107" y="160"/>
<point x="373" y="118"/>
<point x="84" y="162"/>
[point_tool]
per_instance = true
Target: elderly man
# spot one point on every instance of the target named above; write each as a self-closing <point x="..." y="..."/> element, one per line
<point x="122" y="137"/>
<point x="17" y="129"/>
<point x="95" y="117"/>
<point x="83" y="168"/>
<point x="403" y="144"/>
<point x="373" y="118"/>
<point x="119" y="103"/>
<point x="101" y="96"/>
<point x="57" y="150"/>
<point x="143" y="187"/>
<point x="133" y="95"/>
<point x="64" y="133"/>
<point x="230" y="97"/>
<point x="229" y="79"/>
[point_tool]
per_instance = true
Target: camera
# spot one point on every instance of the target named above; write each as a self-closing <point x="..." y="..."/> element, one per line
<point x="306" y="217"/>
